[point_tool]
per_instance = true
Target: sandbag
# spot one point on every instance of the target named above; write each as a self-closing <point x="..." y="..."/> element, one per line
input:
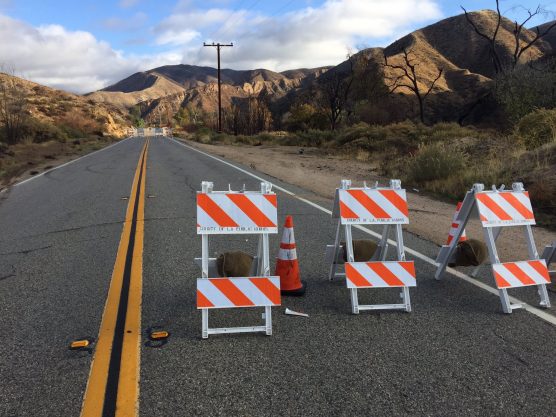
<point x="471" y="252"/>
<point x="234" y="264"/>
<point x="363" y="250"/>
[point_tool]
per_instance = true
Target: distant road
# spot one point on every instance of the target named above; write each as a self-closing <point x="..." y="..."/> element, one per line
<point x="125" y="217"/>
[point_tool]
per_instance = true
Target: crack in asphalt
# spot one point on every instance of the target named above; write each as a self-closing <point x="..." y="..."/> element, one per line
<point x="26" y="251"/>
<point x="6" y="277"/>
<point x="11" y="274"/>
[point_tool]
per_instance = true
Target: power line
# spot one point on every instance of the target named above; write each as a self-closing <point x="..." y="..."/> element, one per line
<point x="281" y="8"/>
<point x="215" y="31"/>
<point x="233" y="21"/>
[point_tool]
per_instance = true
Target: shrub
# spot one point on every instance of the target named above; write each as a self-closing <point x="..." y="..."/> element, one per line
<point x="203" y="135"/>
<point x="537" y="128"/>
<point x="43" y="131"/>
<point x="435" y="161"/>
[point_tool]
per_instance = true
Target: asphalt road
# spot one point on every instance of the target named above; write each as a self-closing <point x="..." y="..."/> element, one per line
<point x="455" y="354"/>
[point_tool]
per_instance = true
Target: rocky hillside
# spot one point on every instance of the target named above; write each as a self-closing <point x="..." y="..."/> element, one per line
<point x="453" y="46"/>
<point x="55" y="107"/>
<point x="551" y="37"/>
<point x="177" y="84"/>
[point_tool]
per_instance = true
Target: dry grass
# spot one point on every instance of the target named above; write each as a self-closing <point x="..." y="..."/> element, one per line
<point x="38" y="157"/>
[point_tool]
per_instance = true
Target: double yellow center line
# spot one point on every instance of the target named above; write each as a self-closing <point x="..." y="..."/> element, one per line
<point x="113" y="386"/>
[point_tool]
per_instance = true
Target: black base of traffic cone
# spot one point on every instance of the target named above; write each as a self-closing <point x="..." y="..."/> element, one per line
<point x="295" y="293"/>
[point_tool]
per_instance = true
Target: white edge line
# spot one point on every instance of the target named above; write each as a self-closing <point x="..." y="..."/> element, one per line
<point x="61" y="166"/>
<point x="533" y="310"/>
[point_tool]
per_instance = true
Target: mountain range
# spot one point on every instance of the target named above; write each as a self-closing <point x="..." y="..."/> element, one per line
<point x="450" y="45"/>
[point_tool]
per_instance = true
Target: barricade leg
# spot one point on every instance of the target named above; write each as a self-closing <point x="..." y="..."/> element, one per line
<point x="349" y="253"/>
<point x="268" y="320"/>
<point x="354" y="301"/>
<point x="383" y="244"/>
<point x="404" y="295"/>
<point x="406" y="299"/>
<point x="505" y="300"/>
<point x="507" y="307"/>
<point x="447" y="250"/>
<point x="204" y="323"/>
<point x="543" y="294"/>
<point x="497" y="232"/>
<point x="533" y="254"/>
<point x="259" y="256"/>
<point x="265" y="257"/>
<point x="333" y="265"/>
<point x="204" y="274"/>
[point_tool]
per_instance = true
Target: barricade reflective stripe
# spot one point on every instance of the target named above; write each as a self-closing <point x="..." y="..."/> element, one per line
<point x="521" y="274"/>
<point x="455" y="226"/>
<point x="238" y="292"/>
<point x="380" y="274"/>
<point x="367" y="206"/>
<point x="287" y="254"/>
<point x="232" y="213"/>
<point x="505" y="208"/>
<point x="287" y="250"/>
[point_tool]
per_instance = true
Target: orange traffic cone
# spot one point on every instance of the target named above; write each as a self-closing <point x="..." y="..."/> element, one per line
<point x="454" y="228"/>
<point x="287" y="266"/>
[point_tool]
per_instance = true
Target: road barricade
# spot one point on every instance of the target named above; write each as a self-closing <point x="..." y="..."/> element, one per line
<point x="496" y="210"/>
<point x="230" y="213"/>
<point x="371" y="206"/>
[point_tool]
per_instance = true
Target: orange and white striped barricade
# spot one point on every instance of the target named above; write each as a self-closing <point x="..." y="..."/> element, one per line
<point x="496" y="210"/>
<point x="385" y="206"/>
<point x="231" y="213"/>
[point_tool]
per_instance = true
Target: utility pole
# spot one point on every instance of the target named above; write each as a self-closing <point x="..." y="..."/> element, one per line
<point x="218" y="46"/>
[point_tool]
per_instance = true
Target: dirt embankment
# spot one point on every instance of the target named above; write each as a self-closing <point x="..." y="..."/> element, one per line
<point x="26" y="160"/>
<point x="319" y="172"/>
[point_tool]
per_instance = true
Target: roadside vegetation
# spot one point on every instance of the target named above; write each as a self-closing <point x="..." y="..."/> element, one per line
<point x="41" y="127"/>
<point x="444" y="159"/>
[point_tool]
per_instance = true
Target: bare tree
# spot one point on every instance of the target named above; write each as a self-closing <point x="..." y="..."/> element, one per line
<point x="13" y="108"/>
<point x="521" y="45"/>
<point x="521" y="48"/>
<point x="335" y="89"/>
<point x="491" y="39"/>
<point x="248" y="116"/>
<point x="407" y="78"/>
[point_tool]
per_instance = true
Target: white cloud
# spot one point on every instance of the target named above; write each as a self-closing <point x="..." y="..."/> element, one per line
<point x="178" y="37"/>
<point x="70" y="60"/>
<point x="309" y="37"/>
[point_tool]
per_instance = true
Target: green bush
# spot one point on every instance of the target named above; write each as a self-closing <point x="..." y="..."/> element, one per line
<point x="537" y="128"/>
<point x="434" y="162"/>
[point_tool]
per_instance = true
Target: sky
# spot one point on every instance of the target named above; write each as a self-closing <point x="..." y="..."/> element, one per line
<point x="85" y="45"/>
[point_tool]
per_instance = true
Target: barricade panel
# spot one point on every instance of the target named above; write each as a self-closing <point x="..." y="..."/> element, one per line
<point x="505" y="208"/>
<point x="521" y="274"/>
<point x="380" y="274"/>
<point x="236" y="213"/>
<point x="373" y="206"/>
<point x="238" y="292"/>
